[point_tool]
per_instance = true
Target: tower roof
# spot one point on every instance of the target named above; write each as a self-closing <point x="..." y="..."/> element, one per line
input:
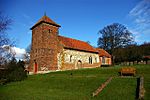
<point x="46" y="19"/>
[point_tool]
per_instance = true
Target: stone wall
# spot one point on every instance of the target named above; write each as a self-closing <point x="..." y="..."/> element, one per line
<point x="73" y="59"/>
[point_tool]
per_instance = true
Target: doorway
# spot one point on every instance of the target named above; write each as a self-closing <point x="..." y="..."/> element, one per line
<point x="79" y="64"/>
<point x="35" y="67"/>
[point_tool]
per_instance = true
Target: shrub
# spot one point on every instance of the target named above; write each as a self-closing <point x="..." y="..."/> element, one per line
<point x="14" y="71"/>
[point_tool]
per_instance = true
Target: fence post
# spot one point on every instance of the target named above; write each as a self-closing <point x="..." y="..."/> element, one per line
<point x="141" y="88"/>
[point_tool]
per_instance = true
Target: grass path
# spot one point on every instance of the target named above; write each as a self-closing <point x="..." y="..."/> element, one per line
<point x="78" y="86"/>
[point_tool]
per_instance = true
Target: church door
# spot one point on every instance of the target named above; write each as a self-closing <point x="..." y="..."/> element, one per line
<point x="79" y="64"/>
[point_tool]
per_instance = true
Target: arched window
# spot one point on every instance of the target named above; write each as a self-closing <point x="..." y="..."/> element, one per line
<point x="95" y="60"/>
<point x="90" y="60"/>
<point x="70" y="58"/>
<point x="103" y="60"/>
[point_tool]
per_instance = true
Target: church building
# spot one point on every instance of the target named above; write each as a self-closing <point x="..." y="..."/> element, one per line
<point x="51" y="52"/>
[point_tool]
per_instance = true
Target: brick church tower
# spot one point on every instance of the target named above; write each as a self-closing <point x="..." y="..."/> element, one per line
<point x="44" y="47"/>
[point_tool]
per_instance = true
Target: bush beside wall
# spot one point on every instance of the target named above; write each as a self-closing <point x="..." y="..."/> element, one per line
<point x="12" y="71"/>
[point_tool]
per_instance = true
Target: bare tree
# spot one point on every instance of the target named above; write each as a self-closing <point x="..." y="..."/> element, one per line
<point x="5" y="22"/>
<point x="114" y="36"/>
<point x="5" y="42"/>
<point x="26" y="56"/>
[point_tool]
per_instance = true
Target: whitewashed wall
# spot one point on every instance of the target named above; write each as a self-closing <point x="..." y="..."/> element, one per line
<point x="76" y="56"/>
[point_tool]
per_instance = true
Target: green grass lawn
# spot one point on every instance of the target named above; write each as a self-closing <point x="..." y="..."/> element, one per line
<point x="79" y="86"/>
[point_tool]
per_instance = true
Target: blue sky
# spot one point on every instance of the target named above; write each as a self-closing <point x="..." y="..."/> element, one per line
<point x="79" y="19"/>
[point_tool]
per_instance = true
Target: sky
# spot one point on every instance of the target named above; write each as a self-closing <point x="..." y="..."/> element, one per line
<point x="79" y="19"/>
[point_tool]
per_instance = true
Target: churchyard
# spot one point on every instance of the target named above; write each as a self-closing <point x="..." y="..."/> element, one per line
<point x="78" y="85"/>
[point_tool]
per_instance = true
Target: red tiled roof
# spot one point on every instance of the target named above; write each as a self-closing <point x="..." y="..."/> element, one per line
<point x="47" y="20"/>
<point x="102" y="53"/>
<point x="76" y="44"/>
<point x="148" y="57"/>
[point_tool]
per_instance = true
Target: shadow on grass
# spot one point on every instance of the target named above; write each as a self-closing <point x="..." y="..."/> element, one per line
<point x="137" y="88"/>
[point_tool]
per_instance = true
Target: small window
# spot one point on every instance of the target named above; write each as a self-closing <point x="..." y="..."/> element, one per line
<point x="49" y="30"/>
<point x="90" y="60"/>
<point x="71" y="58"/>
<point x="103" y="60"/>
<point x="57" y="32"/>
<point x="95" y="60"/>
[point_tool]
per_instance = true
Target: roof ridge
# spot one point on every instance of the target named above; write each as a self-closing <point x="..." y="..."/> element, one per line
<point x="100" y="49"/>
<point x="76" y="44"/>
<point x="74" y="39"/>
<point x="103" y="52"/>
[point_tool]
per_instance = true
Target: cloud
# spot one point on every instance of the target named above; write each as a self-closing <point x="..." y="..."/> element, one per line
<point x="140" y="16"/>
<point x="26" y="16"/>
<point x="136" y="35"/>
<point x="27" y="21"/>
<point x="18" y="52"/>
<point x="141" y="10"/>
<point x="29" y="32"/>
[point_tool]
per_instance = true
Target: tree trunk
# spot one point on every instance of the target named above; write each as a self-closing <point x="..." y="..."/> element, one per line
<point x="137" y="62"/>
<point x="146" y="62"/>
<point x="113" y="60"/>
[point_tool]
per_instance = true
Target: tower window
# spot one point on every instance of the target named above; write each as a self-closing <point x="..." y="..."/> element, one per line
<point x="57" y="32"/>
<point x="49" y="30"/>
